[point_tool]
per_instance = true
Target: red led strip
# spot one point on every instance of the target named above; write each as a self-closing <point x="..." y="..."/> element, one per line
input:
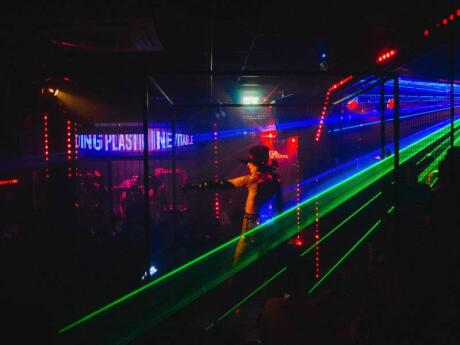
<point x="386" y="56"/>
<point x="216" y="170"/>
<point x="298" y="240"/>
<point x="69" y="145"/>
<point x="45" y="136"/>
<point x="298" y="195"/>
<point x="326" y="104"/>
<point x="46" y="142"/>
<point x="444" y="22"/>
<point x="75" y="146"/>
<point x="9" y="182"/>
<point x="75" y="141"/>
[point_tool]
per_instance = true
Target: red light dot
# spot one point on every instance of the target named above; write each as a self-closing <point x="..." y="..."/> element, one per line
<point x="451" y="17"/>
<point x="426" y="33"/>
<point x="458" y="12"/>
<point x="444" y="21"/>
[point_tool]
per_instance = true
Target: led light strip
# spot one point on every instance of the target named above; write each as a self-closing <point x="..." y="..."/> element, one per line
<point x="69" y="145"/>
<point x="75" y="131"/>
<point x="345" y="256"/>
<point x="298" y="240"/>
<point x="216" y="169"/>
<point x="326" y="104"/>
<point x="46" y="142"/>
<point x="317" y="240"/>
<point x="9" y="182"/>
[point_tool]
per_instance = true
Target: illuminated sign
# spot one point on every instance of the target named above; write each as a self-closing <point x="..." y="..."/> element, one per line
<point x="159" y="140"/>
<point x="276" y="155"/>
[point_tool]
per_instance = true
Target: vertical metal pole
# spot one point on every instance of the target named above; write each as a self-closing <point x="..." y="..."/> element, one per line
<point x="341" y="134"/>
<point x="382" y="119"/>
<point x="173" y="162"/>
<point x="211" y="53"/>
<point x="211" y="68"/>
<point x="452" y="78"/>
<point x="396" y="145"/>
<point x="146" y="172"/>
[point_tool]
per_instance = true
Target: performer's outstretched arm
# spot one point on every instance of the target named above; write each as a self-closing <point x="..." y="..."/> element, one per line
<point x="209" y="185"/>
<point x="237" y="182"/>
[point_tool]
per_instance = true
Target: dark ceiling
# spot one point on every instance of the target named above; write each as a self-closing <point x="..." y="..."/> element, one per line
<point x="242" y="35"/>
<point x="119" y="39"/>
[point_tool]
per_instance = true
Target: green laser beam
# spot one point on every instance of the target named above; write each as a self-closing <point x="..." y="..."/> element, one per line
<point x="331" y="198"/>
<point x="276" y="275"/>
<point x="347" y="254"/>
<point x="343" y="222"/>
<point x="434" y="182"/>
<point x="432" y="152"/>
<point x="330" y="233"/>
<point x="435" y="164"/>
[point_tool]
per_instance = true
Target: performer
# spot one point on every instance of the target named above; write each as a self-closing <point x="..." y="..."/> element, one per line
<point x="264" y="189"/>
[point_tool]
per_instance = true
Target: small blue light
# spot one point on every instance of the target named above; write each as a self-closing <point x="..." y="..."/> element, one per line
<point x="323" y="55"/>
<point x="152" y="270"/>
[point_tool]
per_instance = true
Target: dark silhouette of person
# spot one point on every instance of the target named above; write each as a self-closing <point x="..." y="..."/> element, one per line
<point x="445" y="258"/>
<point x="285" y="319"/>
<point x="326" y="317"/>
<point x="414" y="199"/>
